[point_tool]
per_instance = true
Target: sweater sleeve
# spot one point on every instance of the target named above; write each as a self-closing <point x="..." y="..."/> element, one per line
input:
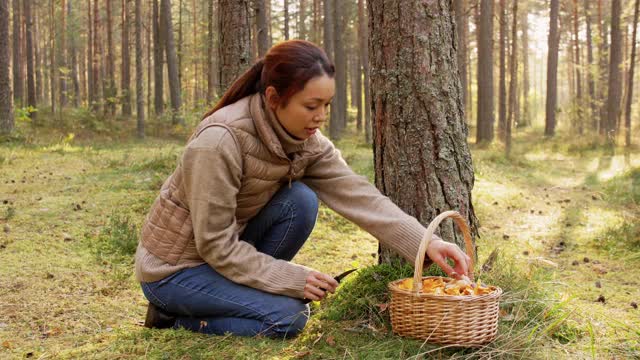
<point x="354" y="197"/>
<point x="212" y="171"/>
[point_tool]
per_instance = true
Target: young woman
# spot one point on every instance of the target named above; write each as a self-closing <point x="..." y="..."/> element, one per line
<point x="215" y="249"/>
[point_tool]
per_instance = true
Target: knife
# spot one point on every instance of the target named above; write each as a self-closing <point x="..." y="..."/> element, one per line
<point x="337" y="278"/>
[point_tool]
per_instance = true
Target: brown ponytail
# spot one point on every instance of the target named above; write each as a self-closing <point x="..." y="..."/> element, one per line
<point x="287" y="66"/>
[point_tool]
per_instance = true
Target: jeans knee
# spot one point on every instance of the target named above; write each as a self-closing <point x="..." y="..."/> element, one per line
<point x="306" y="201"/>
<point x="293" y="321"/>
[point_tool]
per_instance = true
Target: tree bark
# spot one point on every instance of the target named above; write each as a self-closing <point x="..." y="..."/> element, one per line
<point x="338" y="117"/>
<point x="603" y="57"/>
<point x="615" y="76"/>
<point x="73" y="48"/>
<point x="31" y="88"/>
<point x="485" y="73"/>
<point x="327" y="42"/>
<point x="627" y="120"/>
<point x="110" y="96"/>
<point x="552" y="71"/>
<point x="62" y="58"/>
<point x="590" y="82"/>
<point x="139" y="71"/>
<point x="7" y="123"/>
<point x="211" y="85"/>
<point x="18" y="81"/>
<point x="96" y="56"/>
<point x="235" y="41"/>
<point x="502" y="81"/>
<point x="90" y="94"/>
<point x="125" y="80"/>
<point x="52" y="56"/>
<point x="158" y="61"/>
<point x="513" y="81"/>
<point x="37" y="55"/>
<point x="460" y="8"/>
<point x="286" y="19"/>
<point x="263" y="32"/>
<point x="364" y="56"/>
<point x="166" y="26"/>
<point x="422" y="161"/>
<point x="525" y="119"/>
<point x="302" y="29"/>
<point x="578" y="101"/>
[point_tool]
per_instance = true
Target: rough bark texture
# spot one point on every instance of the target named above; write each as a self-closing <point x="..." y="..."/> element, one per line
<point x="125" y="80"/>
<point x="166" y="26"/>
<point x="552" y="71"/>
<point x="615" y="75"/>
<point x="422" y="161"/>
<point x="513" y="81"/>
<point x="328" y="28"/>
<point x="6" y="96"/>
<point x="502" y="81"/>
<point x="525" y="119"/>
<point x="364" y="56"/>
<point x="263" y="32"/>
<point x="485" y="73"/>
<point x="111" y="81"/>
<point x="235" y="41"/>
<point x="339" y="104"/>
<point x="460" y="8"/>
<point x="579" y="121"/>
<point x="139" y="71"/>
<point x="627" y="120"/>
<point x="96" y="56"/>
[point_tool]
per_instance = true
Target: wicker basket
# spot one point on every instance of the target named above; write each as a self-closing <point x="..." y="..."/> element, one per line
<point x="453" y="320"/>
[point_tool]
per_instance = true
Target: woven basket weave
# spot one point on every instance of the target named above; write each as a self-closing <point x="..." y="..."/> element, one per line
<point x="453" y="320"/>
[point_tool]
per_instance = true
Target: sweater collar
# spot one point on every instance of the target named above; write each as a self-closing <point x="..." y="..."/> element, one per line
<point x="272" y="133"/>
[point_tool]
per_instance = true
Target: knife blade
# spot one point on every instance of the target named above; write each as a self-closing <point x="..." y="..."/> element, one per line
<point x="337" y="278"/>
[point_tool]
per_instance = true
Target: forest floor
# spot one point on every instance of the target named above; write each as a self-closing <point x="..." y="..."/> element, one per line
<point x="70" y="208"/>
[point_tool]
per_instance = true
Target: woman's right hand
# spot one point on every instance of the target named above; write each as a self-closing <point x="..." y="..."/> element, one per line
<point x="318" y="284"/>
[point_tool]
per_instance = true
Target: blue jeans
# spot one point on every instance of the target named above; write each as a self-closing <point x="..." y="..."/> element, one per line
<point x="205" y="301"/>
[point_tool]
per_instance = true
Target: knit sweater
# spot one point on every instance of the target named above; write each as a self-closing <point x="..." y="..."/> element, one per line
<point x="213" y="169"/>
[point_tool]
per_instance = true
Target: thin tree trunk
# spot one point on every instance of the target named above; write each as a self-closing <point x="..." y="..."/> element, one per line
<point x="328" y="29"/>
<point x="603" y="57"/>
<point x="485" y="73"/>
<point x="364" y="56"/>
<point x="125" y="80"/>
<point x="302" y="30"/>
<point x="96" y="57"/>
<point x="31" y="87"/>
<point x="263" y="32"/>
<point x="338" y="118"/>
<point x="158" y="64"/>
<point x="590" y="82"/>
<point x="615" y="76"/>
<point x="552" y="71"/>
<point x="74" y="57"/>
<point x="513" y="81"/>
<point x="37" y="54"/>
<point x="139" y="71"/>
<point x="578" y="101"/>
<point x="460" y="8"/>
<point x="286" y="19"/>
<point x="502" y="81"/>
<point x="52" y="56"/>
<point x="317" y="32"/>
<point x="422" y="160"/>
<point x="149" y="29"/>
<point x="18" y="81"/>
<point x="90" y="80"/>
<point x="525" y="119"/>
<point x="166" y="26"/>
<point x="62" y="58"/>
<point x="627" y="120"/>
<point x="180" y="41"/>
<point x="110" y="96"/>
<point x="211" y="86"/>
<point x="7" y="122"/>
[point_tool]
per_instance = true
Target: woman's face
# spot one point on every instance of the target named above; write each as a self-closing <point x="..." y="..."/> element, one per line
<point x="307" y="109"/>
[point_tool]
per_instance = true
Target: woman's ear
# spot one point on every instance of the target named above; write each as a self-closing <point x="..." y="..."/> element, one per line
<point x="271" y="94"/>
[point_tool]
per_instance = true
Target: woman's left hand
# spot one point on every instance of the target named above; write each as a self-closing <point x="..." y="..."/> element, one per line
<point x="439" y="251"/>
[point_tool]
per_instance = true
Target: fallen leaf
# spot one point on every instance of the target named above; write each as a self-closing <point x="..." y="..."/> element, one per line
<point x="6" y="344"/>
<point x="382" y="307"/>
<point x="331" y="341"/>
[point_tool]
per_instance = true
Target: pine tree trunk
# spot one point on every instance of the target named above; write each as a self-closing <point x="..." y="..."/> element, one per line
<point x="6" y="104"/>
<point x="74" y="57"/>
<point x="485" y="73"/>
<point x="460" y="8"/>
<point x="96" y="56"/>
<point x="31" y="86"/>
<point x="302" y="29"/>
<point x="90" y="80"/>
<point x="590" y="82"/>
<point x="235" y="41"/>
<point x="37" y="54"/>
<point x="317" y="30"/>
<point x="139" y="71"/>
<point x="627" y="120"/>
<point x="525" y="119"/>
<point x="18" y="89"/>
<point x="422" y="161"/>
<point x="364" y="56"/>
<point x="158" y="61"/>
<point x="502" y="81"/>
<point x="166" y="26"/>
<point x="110" y="96"/>
<point x="52" y="56"/>
<point x="615" y="76"/>
<point x="327" y="42"/>
<point x="578" y="101"/>
<point x="125" y="80"/>
<point x="62" y="57"/>
<point x="603" y="57"/>
<point x="513" y="81"/>
<point x="211" y="86"/>
<point x="286" y="19"/>
<point x="261" y="16"/>
<point x="338" y="117"/>
<point x="552" y="71"/>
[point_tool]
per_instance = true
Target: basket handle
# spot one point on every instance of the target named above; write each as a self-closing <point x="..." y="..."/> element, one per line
<point x="422" y="251"/>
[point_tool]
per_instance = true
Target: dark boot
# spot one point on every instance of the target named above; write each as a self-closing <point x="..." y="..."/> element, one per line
<point x="158" y="318"/>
